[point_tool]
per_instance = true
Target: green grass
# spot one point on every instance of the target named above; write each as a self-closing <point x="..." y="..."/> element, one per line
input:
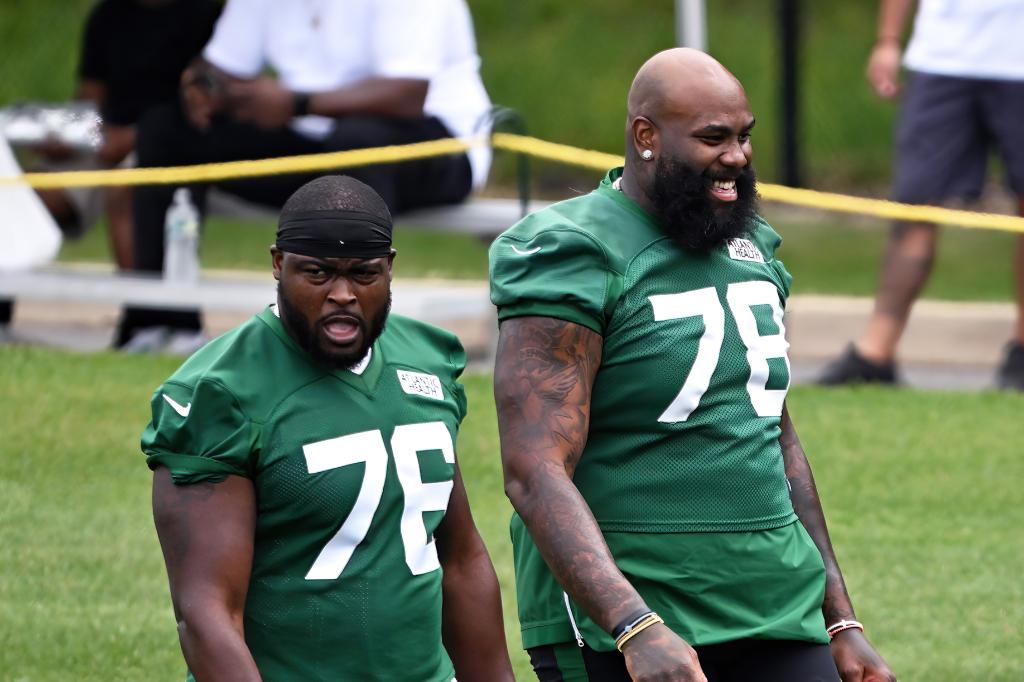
<point x="921" y="490"/>
<point x="832" y="255"/>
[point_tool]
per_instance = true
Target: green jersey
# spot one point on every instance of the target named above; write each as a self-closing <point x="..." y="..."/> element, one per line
<point x="352" y="471"/>
<point x="683" y="447"/>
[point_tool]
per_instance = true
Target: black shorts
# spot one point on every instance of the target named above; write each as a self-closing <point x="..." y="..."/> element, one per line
<point x="763" y="660"/>
<point x="947" y="129"/>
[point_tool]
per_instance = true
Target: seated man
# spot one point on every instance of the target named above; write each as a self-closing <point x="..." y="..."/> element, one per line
<point x="348" y="75"/>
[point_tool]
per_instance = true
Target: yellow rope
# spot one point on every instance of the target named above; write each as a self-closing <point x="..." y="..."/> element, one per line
<point x="531" y="146"/>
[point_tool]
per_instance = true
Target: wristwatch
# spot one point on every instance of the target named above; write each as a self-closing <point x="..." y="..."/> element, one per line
<point x="300" y="104"/>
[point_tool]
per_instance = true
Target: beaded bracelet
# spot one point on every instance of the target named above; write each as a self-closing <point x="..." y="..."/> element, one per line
<point x="836" y="628"/>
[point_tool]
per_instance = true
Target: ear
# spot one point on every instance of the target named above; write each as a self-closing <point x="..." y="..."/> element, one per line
<point x="391" y="261"/>
<point x="277" y="260"/>
<point x="645" y="135"/>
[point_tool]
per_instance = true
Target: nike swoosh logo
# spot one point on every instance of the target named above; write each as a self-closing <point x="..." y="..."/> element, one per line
<point x="183" y="410"/>
<point x="528" y="252"/>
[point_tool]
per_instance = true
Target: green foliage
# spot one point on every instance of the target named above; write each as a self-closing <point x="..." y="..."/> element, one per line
<point x="921" y="491"/>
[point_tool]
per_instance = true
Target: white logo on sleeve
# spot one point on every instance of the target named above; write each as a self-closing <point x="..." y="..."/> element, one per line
<point x="426" y="385"/>
<point x="744" y="249"/>
<point x="183" y="410"/>
<point x="528" y="252"/>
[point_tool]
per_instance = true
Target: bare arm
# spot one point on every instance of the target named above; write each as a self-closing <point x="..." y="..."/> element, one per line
<point x="884" y="63"/>
<point x="206" y="533"/>
<point x="544" y="373"/>
<point x="473" y="627"/>
<point x="856" y="659"/>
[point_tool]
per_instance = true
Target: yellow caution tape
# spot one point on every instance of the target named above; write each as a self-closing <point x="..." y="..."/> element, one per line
<point x="212" y="172"/>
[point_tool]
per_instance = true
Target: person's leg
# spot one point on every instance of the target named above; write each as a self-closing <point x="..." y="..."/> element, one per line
<point x="410" y="184"/>
<point x="165" y="138"/>
<point x="906" y="265"/>
<point x="941" y="153"/>
<point x="119" y="221"/>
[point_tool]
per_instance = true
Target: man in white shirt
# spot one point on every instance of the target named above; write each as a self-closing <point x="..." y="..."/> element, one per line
<point x="964" y="99"/>
<point x="347" y="74"/>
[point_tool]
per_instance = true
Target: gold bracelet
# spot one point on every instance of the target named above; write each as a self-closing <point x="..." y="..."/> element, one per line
<point x="651" y="619"/>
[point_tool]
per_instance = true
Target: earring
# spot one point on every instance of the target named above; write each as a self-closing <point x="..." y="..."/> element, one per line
<point x="647" y="155"/>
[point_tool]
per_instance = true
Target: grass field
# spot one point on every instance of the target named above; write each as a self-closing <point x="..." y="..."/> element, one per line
<point x="828" y="255"/>
<point x="921" y="489"/>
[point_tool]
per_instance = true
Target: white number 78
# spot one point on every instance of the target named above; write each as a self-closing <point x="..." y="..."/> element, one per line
<point x="741" y="297"/>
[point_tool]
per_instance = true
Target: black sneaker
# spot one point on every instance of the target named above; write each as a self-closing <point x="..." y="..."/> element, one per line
<point x="853" y="368"/>
<point x="1011" y="372"/>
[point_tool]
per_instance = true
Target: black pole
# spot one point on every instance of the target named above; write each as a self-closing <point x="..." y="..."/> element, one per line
<point x="789" y="42"/>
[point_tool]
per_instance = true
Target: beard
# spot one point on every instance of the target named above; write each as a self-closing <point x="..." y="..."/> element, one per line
<point x="681" y="198"/>
<point x="312" y="338"/>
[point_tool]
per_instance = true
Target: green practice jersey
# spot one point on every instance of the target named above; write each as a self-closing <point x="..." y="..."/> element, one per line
<point x="352" y="472"/>
<point x="686" y="405"/>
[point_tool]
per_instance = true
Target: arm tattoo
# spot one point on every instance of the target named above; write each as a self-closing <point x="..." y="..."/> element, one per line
<point x="544" y="375"/>
<point x="804" y="494"/>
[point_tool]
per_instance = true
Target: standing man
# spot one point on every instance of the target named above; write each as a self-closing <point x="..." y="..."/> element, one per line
<point x="964" y="99"/>
<point x="640" y="381"/>
<point x="306" y="493"/>
<point x="347" y="75"/>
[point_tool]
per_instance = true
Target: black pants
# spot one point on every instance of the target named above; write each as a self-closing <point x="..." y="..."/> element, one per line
<point x="165" y="138"/>
<point x="748" y="660"/>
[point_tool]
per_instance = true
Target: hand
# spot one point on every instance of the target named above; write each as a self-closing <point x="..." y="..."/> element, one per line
<point x="883" y="69"/>
<point x="200" y="96"/>
<point x="657" y="653"/>
<point x="263" y="102"/>
<point x="857" y="660"/>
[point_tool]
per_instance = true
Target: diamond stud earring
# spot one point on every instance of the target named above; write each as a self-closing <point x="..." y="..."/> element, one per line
<point x="647" y="155"/>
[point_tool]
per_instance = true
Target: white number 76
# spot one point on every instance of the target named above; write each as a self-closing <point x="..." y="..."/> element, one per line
<point x="420" y="497"/>
<point x="741" y="296"/>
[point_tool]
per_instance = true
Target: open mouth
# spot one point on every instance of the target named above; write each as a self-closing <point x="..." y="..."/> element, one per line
<point x="724" y="190"/>
<point x="341" y="329"/>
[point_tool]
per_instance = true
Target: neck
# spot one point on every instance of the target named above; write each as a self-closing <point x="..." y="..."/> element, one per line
<point x="632" y="188"/>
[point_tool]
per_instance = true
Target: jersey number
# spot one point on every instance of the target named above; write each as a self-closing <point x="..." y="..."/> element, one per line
<point x="368" y="447"/>
<point x="742" y="297"/>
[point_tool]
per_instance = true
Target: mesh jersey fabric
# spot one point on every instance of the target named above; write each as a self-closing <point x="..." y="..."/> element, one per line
<point x="320" y="446"/>
<point x="686" y="405"/>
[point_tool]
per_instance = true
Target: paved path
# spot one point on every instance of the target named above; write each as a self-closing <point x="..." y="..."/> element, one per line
<point x="947" y="345"/>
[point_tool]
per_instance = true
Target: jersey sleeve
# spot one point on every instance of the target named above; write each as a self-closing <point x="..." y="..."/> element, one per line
<point x="200" y="434"/>
<point x="237" y="44"/>
<point x="560" y="272"/>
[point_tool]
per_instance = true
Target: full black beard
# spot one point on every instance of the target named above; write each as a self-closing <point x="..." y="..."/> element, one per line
<point x="687" y="214"/>
<point x="308" y="336"/>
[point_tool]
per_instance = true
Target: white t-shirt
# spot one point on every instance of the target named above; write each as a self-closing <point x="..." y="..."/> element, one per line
<point x="319" y="45"/>
<point x="968" y="38"/>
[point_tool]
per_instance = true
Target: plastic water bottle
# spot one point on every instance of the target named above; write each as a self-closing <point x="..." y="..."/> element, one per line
<point x="181" y="239"/>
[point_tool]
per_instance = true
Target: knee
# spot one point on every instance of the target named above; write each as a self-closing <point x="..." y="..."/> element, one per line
<point x="914" y="240"/>
<point x="158" y="135"/>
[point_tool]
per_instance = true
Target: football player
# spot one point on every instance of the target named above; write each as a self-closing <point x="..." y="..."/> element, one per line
<point x="306" y="492"/>
<point x="640" y="379"/>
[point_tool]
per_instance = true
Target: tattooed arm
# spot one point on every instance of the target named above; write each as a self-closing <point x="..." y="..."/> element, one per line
<point x="855" y="658"/>
<point x="206" y="533"/>
<point x="544" y="373"/>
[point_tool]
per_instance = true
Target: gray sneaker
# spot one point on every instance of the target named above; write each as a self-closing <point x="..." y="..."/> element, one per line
<point x="148" y="340"/>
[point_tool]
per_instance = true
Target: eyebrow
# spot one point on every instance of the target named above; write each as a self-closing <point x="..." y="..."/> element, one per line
<point x="717" y="128"/>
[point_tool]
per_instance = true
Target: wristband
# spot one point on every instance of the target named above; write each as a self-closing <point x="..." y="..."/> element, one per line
<point x="836" y="628"/>
<point x="300" y="104"/>
<point x="636" y="627"/>
<point x="629" y="621"/>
